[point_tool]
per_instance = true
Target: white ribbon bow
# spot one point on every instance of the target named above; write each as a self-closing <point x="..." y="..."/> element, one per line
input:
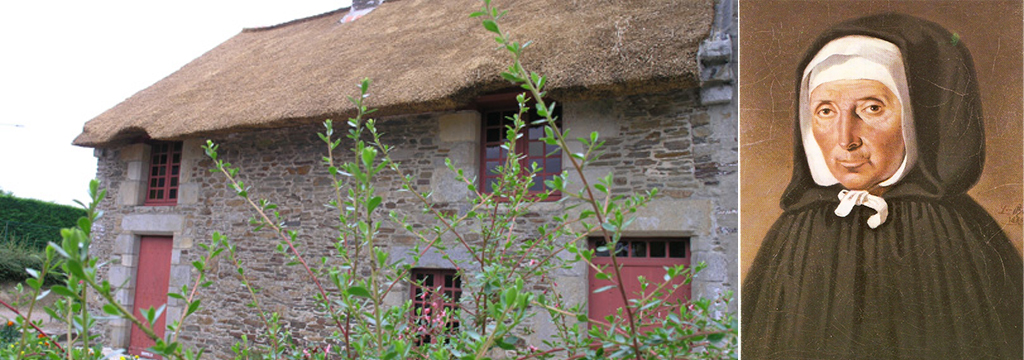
<point x="850" y="198"/>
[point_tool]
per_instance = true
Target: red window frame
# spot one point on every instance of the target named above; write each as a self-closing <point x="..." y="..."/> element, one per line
<point x="164" y="170"/>
<point x="495" y="112"/>
<point x="644" y="250"/>
<point x="432" y="288"/>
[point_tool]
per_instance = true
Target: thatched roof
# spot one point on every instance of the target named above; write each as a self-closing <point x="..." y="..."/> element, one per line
<point x="422" y="56"/>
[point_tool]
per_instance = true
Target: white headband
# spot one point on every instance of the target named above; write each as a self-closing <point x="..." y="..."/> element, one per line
<point x="856" y="57"/>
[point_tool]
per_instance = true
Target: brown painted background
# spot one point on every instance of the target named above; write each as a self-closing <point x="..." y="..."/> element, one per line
<point x="773" y="38"/>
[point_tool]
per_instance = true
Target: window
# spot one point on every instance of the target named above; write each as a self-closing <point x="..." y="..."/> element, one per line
<point x="645" y="257"/>
<point x="497" y="114"/>
<point x="164" y="167"/>
<point x="435" y="293"/>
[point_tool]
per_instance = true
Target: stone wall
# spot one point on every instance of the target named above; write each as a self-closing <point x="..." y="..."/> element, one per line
<point x="668" y="141"/>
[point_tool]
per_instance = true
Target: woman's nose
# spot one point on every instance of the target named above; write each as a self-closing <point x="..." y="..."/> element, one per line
<point x="849" y="130"/>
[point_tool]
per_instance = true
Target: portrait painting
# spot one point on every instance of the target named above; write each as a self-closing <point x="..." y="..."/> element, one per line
<point x="881" y="179"/>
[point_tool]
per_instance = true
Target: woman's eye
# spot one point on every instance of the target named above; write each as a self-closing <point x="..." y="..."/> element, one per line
<point x="825" y="112"/>
<point x="873" y="109"/>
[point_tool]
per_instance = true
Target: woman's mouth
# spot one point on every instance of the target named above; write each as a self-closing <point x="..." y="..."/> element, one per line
<point x="851" y="164"/>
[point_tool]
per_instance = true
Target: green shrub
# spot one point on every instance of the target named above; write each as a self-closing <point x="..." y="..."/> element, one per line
<point x="16" y="255"/>
<point x="33" y="221"/>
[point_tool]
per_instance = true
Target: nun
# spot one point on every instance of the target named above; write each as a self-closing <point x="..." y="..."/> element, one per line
<point x="880" y="253"/>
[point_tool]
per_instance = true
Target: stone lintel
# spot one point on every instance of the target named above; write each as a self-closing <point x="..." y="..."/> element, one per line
<point x="154" y="224"/>
<point x="459" y="126"/>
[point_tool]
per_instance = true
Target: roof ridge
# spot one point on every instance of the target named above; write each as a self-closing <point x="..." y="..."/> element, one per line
<point x="296" y="21"/>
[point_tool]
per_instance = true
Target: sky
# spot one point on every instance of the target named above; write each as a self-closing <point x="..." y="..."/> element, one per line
<point x="64" y="62"/>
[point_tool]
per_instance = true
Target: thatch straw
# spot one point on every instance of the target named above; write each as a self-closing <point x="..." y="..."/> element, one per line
<point x="422" y="55"/>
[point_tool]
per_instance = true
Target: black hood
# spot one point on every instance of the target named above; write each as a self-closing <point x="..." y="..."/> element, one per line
<point x="945" y="102"/>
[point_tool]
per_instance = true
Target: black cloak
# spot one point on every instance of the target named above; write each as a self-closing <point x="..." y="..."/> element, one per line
<point x="938" y="280"/>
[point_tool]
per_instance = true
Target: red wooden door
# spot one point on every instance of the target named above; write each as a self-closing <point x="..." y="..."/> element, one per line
<point x="151" y="283"/>
<point x="637" y="257"/>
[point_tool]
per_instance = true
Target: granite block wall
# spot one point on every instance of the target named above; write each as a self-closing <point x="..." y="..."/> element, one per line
<point x="668" y="141"/>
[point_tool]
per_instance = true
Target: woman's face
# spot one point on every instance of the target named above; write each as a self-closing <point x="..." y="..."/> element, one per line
<point x="858" y="125"/>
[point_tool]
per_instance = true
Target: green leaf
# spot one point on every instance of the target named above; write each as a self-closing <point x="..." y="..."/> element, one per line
<point x="541" y="110"/>
<point x="34" y="283"/>
<point x="373" y="203"/>
<point x="63" y="291"/>
<point x="84" y="223"/>
<point x="75" y="268"/>
<point x="364" y="85"/>
<point x="604" y="288"/>
<point x="603" y="276"/>
<point x="192" y="307"/>
<point x="111" y="309"/>
<point x="505" y="344"/>
<point x="511" y="77"/>
<point x="359" y="291"/>
<point x="491" y="26"/>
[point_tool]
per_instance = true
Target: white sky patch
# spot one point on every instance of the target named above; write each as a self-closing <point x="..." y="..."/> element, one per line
<point x="65" y="62"/>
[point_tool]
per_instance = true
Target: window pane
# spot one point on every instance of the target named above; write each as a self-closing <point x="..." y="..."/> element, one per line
<point x="174" y="170"/>
<point x="493" y="135"/>
<point x="554" y="151"/>
<point x="172" y="194"/>
<point x="677" y="249"/>
<point x="536" y="132"/>
<point x="493" y="119"/>
<point x="639" y="249"/>
<point x="492" y="152"/>
<point x="177" y="159"/>
<point x="554" y="165"/>
<point x="536" y="149"/>
<point x="657" y="249"/>
<point x="538" y="184"/>
<point x="600" y="249"/>
<point x="491" y="167"/>
<point x="621" y="248"/>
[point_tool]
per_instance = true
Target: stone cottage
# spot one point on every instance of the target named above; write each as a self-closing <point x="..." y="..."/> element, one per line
<point x="654" y="78"/>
